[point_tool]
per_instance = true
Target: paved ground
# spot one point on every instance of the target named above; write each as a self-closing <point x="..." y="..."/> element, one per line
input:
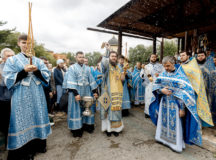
<point x="135" y="143"/>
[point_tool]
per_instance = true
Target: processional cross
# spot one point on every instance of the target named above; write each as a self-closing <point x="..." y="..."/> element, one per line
<point x="30" y="39"/>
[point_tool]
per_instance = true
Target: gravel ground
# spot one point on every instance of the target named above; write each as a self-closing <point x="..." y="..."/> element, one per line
<point x="135" y="143"/>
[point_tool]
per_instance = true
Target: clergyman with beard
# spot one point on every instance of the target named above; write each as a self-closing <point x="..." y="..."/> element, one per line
<point x="111" y="97"/>
<point x="195" y="76"/>
<point x="151" y="72"/>
<point x="201" y="60"/>
<point x="206" y="62"/>
<point x="80" y="83"/>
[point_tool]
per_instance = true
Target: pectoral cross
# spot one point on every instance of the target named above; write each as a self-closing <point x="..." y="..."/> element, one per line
<point x="105" y="100"/>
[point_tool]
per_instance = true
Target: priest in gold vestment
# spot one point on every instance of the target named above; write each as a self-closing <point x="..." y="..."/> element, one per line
<point x="111" y="97"/>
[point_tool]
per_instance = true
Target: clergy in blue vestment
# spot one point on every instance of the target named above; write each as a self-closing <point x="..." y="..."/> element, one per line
<point x="138" y="87"/>
<point x="98" y="75"/>
<point x="94" y="74"/>
<point x="80" y="83"/>
<point x="210" y="60"/>
<point x="207" y="66"/>
<point x="98" y="78"/>
<point x="210" y="65"/>
<point x="29" y="123"/>
<point x="126" y="105"/>
<point x="93" y="70"/>
<point x="173" y="108"/>
<point x="130" y="86"/>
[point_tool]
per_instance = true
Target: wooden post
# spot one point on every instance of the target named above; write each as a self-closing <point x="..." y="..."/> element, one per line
<point x="195" y="41"/>
<point x="126" y="50"/>
<point x="120" y="43"/>
<point x="178" y="47"/>
<point x="182" y="44"/>
<point x="154" y="45"/>
<point x="185" y="42"/>
<point x="162" y="50"/>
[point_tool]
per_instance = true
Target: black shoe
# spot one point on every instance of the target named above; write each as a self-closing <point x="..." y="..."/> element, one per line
<point x="74" y="132"/>
<point x="19" y="154"/>
<point x="88" y="128"/>
<point x="147" y="116"/>
<point x="43" y="150"/>
<point x="136" y="105"/>
<point x="125" y="113"/>
<point x="37" y="146"/>
<point x="116" y="134"/>
<point x="84" y="127"/>
<point x="109" y="134"/>
<point x="16" y="157"/>
<point x="57" y="107"/>
<point x="30" y="157"/>
<point x="24" y="157"/>
<point x="77" y="133"/>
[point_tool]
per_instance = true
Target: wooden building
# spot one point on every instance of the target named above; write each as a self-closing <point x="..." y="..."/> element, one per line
<point x="193" y="22"/>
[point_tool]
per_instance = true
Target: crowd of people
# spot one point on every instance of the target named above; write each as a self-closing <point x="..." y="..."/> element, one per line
<point x="179" y="96"/>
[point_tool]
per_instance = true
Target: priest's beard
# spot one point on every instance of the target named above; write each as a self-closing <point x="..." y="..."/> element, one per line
<point x="113" y="63"/>
<point x="201" y="62"/>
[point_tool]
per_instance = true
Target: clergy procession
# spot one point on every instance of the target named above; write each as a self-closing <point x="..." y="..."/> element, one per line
<point x="178" y="97"/>
<point x="173" y="93"/>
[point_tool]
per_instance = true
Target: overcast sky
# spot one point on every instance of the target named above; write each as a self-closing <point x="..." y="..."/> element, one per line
<point x="61" y="24"/>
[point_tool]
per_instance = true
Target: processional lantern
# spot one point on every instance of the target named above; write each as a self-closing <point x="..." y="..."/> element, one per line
<point x="30" y="39"/>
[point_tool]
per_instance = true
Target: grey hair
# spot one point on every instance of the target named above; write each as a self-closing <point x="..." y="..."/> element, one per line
<point x="170" y="59"/>
<point x="6" y="50"/>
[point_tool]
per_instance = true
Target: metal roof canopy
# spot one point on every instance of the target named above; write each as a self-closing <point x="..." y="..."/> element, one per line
<point x="163" y="18"/>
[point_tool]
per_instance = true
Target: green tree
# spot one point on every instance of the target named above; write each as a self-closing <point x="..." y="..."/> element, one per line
<point x="142" y="53"/>
<point x="41" y="51"/>
<point x="11" y="42"/>
<point x="93" y="58"/>
<point x="170" y="48"/>
<point x="71" y="57"/>
<point x="139" y="53"/>
<point x="5" y="36"/>
<point x="4" y="33"/>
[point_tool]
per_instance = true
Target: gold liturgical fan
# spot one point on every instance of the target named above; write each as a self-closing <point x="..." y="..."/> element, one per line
<point x="30" y="39"/>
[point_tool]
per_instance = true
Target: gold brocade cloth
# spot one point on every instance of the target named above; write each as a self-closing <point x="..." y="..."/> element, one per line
<point x="116" y="88"/>
<point x="194" y="75"/>
<point x="116" y="124"/>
